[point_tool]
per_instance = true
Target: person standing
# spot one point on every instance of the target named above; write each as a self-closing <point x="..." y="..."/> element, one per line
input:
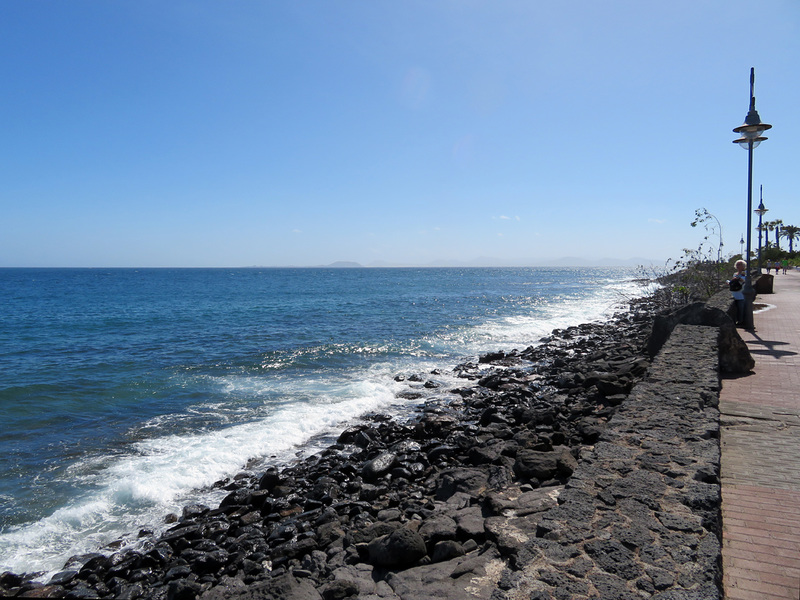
<point x="736" y="285"/>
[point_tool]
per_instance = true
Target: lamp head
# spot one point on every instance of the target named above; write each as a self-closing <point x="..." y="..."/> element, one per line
<point x="752" y="128"/>
<point x="745" y="142"/>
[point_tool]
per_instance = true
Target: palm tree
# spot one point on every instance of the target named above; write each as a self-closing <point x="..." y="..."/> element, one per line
<point x="791" y="233"/>
<point x="778" y="223"/>
<point x="768" y="226"/>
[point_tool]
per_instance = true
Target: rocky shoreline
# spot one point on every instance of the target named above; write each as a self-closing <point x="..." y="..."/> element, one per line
<point x="469" y="498"/>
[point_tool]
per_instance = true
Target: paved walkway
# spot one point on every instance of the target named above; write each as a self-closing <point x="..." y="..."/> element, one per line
<point x="761" y="455"/>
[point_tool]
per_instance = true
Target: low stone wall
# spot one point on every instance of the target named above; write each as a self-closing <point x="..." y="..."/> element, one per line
<point x="724" y="302"/>
<point x="640" y="516"/>
<point x="718" y="312"/>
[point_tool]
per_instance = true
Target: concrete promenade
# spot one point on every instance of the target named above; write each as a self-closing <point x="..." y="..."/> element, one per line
<point x="760" y="439"/>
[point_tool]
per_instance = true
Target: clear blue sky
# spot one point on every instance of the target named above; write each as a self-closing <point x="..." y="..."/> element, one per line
<point x="200" y="133"/>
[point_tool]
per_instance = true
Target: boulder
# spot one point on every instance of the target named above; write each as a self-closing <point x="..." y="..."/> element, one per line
<point x="282" y="587"/>
<point x="471" y="481"/>
<point x="544" y="466"/>
<point x="447" y="550"/>
<point x="401" y="548"/>
<point x="764" y="283"/>
<point x="339" y="590"/>
<point x="379" y="465"/>
<point x="270" y="479"/>
<point x="734" y="355"/>
<point x="438" y="528"/>
<point x="469" y="524"/>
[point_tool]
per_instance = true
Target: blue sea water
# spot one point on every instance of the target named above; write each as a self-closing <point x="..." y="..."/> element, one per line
<point x="126" y="393"/>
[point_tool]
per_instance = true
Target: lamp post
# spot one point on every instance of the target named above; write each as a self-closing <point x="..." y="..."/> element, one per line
<point x="751" y="132"/>
<point x="760" y="211"/>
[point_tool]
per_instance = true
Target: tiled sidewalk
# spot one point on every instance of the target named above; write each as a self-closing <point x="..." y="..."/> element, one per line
<point x="761" y="455"/>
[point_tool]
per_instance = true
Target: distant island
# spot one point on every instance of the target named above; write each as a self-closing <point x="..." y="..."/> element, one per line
<point x="342" y="264"/>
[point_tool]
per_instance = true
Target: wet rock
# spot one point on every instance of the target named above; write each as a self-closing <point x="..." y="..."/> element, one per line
<point x="491" y="357"/>
<point x="63" y="577"/>
<point x="237" y="498"/>
<point x="379" y="465"/>
<point x="82" y="591"/>
<point x="129" y="591"/>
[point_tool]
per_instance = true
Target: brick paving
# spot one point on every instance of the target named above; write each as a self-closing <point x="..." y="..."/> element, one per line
<point x="760" y="439"/>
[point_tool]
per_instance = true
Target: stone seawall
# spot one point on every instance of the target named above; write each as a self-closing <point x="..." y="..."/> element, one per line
<point x="640" y="516"/>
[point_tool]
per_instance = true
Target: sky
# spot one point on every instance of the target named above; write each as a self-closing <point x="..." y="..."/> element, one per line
<point x="198" y="133"/>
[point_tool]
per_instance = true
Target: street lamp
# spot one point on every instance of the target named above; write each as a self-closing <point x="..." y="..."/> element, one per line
<point x="751" y="132"/>
<point x="760" y="211"/>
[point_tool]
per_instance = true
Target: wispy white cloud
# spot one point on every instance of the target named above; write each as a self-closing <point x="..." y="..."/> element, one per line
<point x="659" y="221"/>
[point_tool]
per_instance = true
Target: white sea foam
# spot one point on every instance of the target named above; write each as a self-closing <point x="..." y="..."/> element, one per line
<point x="559" y="312"/>
<point x="159" y="475"/>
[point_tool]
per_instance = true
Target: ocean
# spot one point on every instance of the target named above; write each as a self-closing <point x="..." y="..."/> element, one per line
<point x="125" y="394"/>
